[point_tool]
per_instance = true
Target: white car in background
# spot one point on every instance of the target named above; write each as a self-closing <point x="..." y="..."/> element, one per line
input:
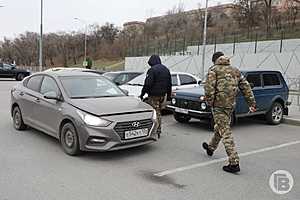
<point x="180" y="80"/>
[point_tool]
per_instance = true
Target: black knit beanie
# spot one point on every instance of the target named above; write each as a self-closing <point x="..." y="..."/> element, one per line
<point x="216" y="56"/>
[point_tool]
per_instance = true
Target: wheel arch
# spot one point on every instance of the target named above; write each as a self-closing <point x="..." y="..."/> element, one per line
<point x="13" y="107"/>
<point x="63" y="122"/>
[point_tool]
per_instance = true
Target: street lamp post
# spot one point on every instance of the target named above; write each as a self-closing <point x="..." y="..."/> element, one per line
<point x="204" y="41"/>
<point x="85" y="37"/>
<point x="41" y="40"/>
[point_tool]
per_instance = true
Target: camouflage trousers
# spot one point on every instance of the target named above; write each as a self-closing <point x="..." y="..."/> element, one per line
<point x="222" y="118"/>
<point x="156" y="103"/>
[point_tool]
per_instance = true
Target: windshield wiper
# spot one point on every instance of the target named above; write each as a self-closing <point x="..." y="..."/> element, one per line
<point x="134" y="84"/>
<point x="81" y="97"/>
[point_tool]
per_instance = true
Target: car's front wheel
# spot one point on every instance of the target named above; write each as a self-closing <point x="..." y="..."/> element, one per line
<point x="182" y="118"/>
<point x="20" y="77"/>
<point x="18" y="119"/>
<point x="275" y="114"/>
<point x="69" y="139"/>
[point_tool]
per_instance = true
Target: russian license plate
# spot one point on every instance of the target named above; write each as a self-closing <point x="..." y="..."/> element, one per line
<point x="181" y="110"/>
<point x="136" y="133"/>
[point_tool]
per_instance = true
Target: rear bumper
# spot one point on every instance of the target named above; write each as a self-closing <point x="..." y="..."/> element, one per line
<point x="193" y="113"/>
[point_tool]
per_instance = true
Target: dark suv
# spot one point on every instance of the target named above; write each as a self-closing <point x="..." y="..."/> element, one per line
<point x="270" y="90"/>
<point x="10" y="71"/>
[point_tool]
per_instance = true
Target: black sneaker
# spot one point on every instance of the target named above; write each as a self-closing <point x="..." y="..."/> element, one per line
<point x="208" y="150"/>
<point x="232" y="168"/>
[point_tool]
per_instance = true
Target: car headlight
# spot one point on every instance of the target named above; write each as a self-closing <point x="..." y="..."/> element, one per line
<point x="173" y="101"/>
<point x="202" y="98"/>
<point x="154" y="117"/>
<point x="203" y="106"/>
<point x="93" y="120"/>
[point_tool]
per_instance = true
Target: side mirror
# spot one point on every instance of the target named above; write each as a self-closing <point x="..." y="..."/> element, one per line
<point x="13" y="67"/>
<point x="52" y="95"/>
<point x="199" y="82"/>
<point x="125" y="91"/>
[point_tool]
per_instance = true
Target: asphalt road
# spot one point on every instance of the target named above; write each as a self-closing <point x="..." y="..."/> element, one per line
<point x="33" y="167"/>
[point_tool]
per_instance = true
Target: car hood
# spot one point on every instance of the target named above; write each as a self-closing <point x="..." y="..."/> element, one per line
<point x="191" y="92"/>
<point x="111" y="105"/>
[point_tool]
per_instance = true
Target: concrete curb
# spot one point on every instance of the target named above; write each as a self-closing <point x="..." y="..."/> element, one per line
<point x="291" y="121"/>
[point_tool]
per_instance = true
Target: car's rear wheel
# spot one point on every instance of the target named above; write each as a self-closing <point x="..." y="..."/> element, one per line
<point x="69" y="139"/>
<point x="18" y="119"/>
<point x="275" y="114"/>
<point x="182" y="118"/>
<point x="20" y="77"/>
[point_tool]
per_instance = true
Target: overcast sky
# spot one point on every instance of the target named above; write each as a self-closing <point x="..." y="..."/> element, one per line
<point x="18" y="16"/>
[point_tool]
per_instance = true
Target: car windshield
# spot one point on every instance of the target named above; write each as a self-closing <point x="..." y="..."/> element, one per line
<point x="139" y="80"/>
<point x="90" y="87"/>
<point x="111" y="75"/>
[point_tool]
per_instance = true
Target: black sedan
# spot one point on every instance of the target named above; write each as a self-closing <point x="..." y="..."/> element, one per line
<point x="10" y="71"/>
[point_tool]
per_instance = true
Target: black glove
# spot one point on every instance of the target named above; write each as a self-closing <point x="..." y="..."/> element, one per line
<point x="169" y="98"/>
<point x="141" y="97"/>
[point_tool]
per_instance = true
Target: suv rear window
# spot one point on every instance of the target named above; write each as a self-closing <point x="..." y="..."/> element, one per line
<point x="254" y="79"/>
<point x="174" y="80"/>
<point x="271" y="79"/>
<point x="34" y="83"/>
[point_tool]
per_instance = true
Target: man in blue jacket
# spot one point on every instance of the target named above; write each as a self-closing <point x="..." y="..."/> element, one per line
<point x="157" y="85"/>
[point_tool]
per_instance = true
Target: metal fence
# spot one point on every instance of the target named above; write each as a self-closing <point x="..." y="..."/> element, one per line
<point x="178" y="46"/>
<point x="294" y="86"/>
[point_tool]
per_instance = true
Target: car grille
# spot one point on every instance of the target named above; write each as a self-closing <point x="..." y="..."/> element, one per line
<point x="188" y="104"/>
<point x="121" y="127"/>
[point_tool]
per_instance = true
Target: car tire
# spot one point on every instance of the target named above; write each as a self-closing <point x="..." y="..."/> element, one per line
<point x="181" y="118"/>
<point x="18" y="119"/>
<point x="20" y="77"/>
<point x="275" y="115"/>
<point x="69" y="140"/>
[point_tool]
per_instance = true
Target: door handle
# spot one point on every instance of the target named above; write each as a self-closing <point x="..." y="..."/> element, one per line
<point x="37" y="100"/>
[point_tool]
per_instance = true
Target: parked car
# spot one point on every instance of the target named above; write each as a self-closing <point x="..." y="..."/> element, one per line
<point x="180" y="80"/>
<point x="121" y="77"/>
<point x="270" y="90"/>
<point x="84" y="111"/>
<point x="11" y="71"/>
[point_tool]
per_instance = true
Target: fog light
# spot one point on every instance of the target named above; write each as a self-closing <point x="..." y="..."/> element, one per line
<point x="203" y="106"/>
<point x="96" y="141"/>
<point x="173" y="101"/>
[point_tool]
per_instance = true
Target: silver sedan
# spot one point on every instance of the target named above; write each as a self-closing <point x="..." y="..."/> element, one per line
<point x="85" y="111"/>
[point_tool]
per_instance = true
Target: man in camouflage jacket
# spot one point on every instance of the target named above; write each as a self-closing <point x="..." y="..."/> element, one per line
<point x="221" y="88"/>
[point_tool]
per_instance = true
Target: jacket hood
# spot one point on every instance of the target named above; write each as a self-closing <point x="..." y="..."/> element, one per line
<point x="223" y="60"/>
<point x="111" y="106"/>
<point x="154" y="60"/>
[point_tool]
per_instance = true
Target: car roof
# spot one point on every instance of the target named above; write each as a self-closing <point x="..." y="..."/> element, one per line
<point x="68" y="73"/>
<point x="259" y="71"/>
<point x="125" y="72"/>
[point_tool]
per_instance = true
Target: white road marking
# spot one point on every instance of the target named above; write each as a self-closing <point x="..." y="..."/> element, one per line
<point x="197" y="165"/>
